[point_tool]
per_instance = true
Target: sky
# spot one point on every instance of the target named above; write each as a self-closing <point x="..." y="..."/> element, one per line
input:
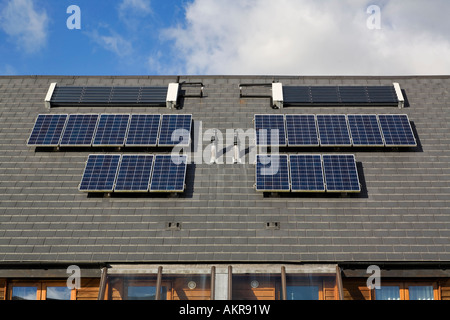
<point x="226" y="37"/>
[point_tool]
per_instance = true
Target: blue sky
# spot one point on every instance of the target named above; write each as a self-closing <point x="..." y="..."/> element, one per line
<point x="292" y="37"/>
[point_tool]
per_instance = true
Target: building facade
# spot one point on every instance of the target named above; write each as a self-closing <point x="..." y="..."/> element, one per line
<point x="225" y="234"/>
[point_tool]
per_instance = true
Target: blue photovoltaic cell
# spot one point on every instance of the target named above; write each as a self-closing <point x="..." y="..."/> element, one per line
<point x="47" y="130"/>
<point x="333" y="130"/>
<point x="306" y="173"/>
<point x="100" y="173"/>
<point x="365" y="130"/>
<point x="111" y="130"/>
<point x="143" y="130"/>
<point x="301" y="130"/>
<point x="397" y="131"/>
<point x="134" y="173"/>
<point x="270" y="130"/>
<point x="272" y="173"/>
<point x="175" y="129"/>
<point x="80" y="129"/>
<point x="340" y="173"/>
<point x="169" y="173"/>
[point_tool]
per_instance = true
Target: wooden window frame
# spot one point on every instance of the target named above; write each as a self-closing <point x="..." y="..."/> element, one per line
<point x="404" y="286"/>
<point x="41" y="286"/>
<point x="147" y="283"/>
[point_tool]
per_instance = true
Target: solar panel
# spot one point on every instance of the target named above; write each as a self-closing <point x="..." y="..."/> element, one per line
<point x="134" y="173"/>
<point x="143" y="130"/>
<point x="397" y="131"/>
<point x="111" y="130"/>
<point x="175" y="129"/>
<point x="340" y="95"/>
<point x="306" y="173"/>
<point x="353" y="94"/>
<point x="272" y="173"/>
<point x="80" y="129"/>
<point x="100" y="173"/>
<point x="365" y="130"/>
<point x="169" y="173"/>
<point x="340" y="173"/>
<point x="109" y="95"/>
<point x="301" y="130"/>
<point x="47" y="130"/>
<point x="333" y="130"/>
<point x="297" y="95"/>
<point x="270" y="130"/>
<point x="325" y="94"/>
<point x="382" y="95"/>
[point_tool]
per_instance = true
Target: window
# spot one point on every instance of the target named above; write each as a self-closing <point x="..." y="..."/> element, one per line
<point x="407" y="291"/>
<point x="40" y="290"/>
<point x="173" y="287"/>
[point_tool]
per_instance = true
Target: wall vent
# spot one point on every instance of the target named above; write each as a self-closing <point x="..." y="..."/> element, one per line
<point x="272" y="225"/>
<point x="173" y="226"/>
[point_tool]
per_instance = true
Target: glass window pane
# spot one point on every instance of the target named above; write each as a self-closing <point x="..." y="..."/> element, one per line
<point x="58" y="293"/>
<point x="145" y="293"/>
<point x="302" y="292"/>
<point x="24" y="293"/>
<point x="388" y="293"/>
<point x="190" y="287"/>
<point x="421" y="293"/>
<point x="255" y="286"/>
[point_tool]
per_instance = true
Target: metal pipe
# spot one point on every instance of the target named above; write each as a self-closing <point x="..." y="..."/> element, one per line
<point x="283" y="283"/>
<point x="213" y="283"/>
<point x="339" y="283"/>
<point x="101" y="290"/>
<point x="230" y="282"/>
<point x="158" y="283"/>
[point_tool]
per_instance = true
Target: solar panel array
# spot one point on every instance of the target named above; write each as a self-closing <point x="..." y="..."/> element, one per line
<point x="111" y="130"/>
<point x="337" y="95"/>
<point x="306" y="173"/>
<point x="397" y="130"/>
<point x="149" y="96"/>
<point x="272" y="173"/>
<point x="47" y="130"/>
<point x="341" y="174"/>
<point x="270" y="129"/>
<point x="134" y="173"/>
<point x="335" y="130"/>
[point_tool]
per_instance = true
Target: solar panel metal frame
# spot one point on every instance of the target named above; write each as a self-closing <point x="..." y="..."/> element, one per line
<point x="284" y="178"/>
<point x="321" y="135"/>
<point x="53" y="135"/>
<point x="123" y="176"/>
<point x="297" y="178"/>
<point x="290" y="135"/>
<point x="408" y="131"/>
<point x="356" y="135"/>
<point x="154" y="172"/>
<point x="329" y="176"/>
<point x="98" y="171"/>
<point x="92" y="134"/>
<point x="281" y="136"/>
<point x="101" y="141"/>
<point x="162" y="132"/>
<point x="142" y="130"/>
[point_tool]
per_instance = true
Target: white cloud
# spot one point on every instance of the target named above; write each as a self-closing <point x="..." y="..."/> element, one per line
<point x="312" y="37"/>
<point x="142" y="6"/>
<point x="24" y="24"/>
<point x="112" y="42"/>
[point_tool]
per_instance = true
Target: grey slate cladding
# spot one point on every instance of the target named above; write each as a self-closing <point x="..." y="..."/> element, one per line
<point x="402" y="213"/>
